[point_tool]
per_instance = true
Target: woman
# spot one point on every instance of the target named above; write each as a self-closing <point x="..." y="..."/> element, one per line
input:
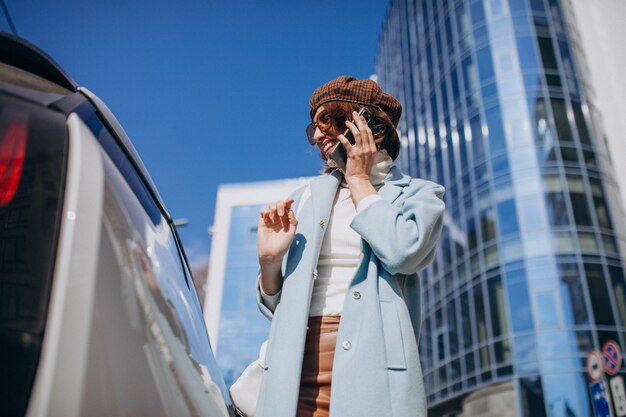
<point x="338" y="277"/>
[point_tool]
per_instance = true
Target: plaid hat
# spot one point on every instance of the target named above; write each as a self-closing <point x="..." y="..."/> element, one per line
<point x="352" y="90"/>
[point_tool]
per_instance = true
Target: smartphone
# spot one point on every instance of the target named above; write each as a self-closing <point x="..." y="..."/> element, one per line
<point x="339" y="155"/>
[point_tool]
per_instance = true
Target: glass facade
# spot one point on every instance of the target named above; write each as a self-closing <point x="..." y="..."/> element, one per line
<point x="242" y="327"/>
<point x="236" y="326"/>
<point x="529" y="272"/>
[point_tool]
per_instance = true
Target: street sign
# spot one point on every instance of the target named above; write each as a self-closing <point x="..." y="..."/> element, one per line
<point x="601" y="400"/>
<point x="594" y="365"/>
<point x="611" y="357"/>
<point x="619" y="395"/>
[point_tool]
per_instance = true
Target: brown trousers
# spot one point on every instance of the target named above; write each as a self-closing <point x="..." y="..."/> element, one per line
<point x="317" y="366"/>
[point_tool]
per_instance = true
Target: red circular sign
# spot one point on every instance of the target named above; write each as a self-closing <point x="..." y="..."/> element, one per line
<point x="611" y="357"/>
<point x="594" y="365"/>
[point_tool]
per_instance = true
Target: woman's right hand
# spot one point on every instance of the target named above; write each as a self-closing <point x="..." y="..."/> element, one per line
<point x="276" y="230"/>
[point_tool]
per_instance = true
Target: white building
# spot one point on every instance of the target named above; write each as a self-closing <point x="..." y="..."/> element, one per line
<point x="602" y="28"/>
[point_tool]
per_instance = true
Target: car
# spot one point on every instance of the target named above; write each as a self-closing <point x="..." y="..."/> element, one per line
<point x="98" y="312"/>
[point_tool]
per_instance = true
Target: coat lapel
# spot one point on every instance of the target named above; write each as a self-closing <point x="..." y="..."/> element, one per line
<point x="323" y="193"/>
<point x="393" y="185"/>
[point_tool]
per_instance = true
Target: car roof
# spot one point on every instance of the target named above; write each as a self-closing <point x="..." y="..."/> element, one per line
<point x="34" y="76"/>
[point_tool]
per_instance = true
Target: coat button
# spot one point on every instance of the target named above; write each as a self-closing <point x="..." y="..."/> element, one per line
<point x="322" y="224"/>
<point x="356" y="295"/>
<point x="346" y="345"/>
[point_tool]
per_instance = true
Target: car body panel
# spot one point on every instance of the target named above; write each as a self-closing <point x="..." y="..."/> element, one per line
<point x="60" y="379"/>
<point x="121" y="330"/>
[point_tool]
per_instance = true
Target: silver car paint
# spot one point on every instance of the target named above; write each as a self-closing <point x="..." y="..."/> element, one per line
<point x="125" y="334"/>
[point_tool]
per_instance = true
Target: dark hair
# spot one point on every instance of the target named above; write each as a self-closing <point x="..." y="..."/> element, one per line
<point x="385" y="135"/>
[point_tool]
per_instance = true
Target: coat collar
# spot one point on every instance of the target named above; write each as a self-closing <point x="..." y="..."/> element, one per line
<point x="393" y="185"/>
<point x="324" y="188"/>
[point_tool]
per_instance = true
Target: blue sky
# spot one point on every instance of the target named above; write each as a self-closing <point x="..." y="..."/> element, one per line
<point x="212" y="91"/>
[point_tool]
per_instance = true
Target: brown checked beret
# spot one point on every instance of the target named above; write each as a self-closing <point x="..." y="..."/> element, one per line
<point x="352" y="90"/>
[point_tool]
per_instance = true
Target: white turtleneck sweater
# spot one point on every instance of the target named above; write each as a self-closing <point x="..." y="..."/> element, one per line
<point x="341" y="248"/>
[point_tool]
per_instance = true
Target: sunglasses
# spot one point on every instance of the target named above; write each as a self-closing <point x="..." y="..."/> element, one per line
<point x="324" y="123"/>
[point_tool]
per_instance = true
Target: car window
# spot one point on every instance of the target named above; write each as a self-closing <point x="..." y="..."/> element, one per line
<point x="120" y="159"/>
<point x="33" y="157"/>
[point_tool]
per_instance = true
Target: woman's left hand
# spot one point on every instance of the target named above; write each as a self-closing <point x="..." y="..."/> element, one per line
<point x="360" y="158"/>
<point x="361" y="154"/>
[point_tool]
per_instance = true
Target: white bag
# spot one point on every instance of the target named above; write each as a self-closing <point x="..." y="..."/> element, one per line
<point x="245" y="391"/>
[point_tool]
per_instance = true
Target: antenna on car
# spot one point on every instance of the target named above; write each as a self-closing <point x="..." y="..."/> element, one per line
<point x="181" y="222"/>
<point x="8" y="16"/>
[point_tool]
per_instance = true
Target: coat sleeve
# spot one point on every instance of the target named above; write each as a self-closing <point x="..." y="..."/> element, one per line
<point x="267" y="305"/>
<point x="404" y="237"/>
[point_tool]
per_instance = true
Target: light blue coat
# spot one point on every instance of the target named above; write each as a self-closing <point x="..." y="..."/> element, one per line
<point x="376" y="370"/>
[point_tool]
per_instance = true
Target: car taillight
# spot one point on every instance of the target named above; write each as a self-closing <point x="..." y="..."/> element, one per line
<point x="12" y="150"/>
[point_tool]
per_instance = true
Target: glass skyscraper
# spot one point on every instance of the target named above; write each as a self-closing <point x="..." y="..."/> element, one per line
<point x="529" y="272"/>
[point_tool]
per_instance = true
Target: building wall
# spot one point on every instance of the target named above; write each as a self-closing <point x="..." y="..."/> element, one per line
<point x="529" y="274"/>
<point x="236" y="327"/>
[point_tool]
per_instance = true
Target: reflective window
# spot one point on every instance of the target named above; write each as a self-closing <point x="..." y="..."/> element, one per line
<point x="487" y="224"/>
<point x="569" y="155"/>
<point x="500" y="164"/>
<point x="471" y="234"/>
<point x="566" y="58"/>
<point x="599" y="295"/>
<point x="561" y="121"/>
<point x="503" y="352"/>
<point x="477" y="12"/>
<point x="466" y="320"/>
<point x="531" y="393"/>
<point x="538" y="111"/>
<point x="527" y="53"/>
<point x="463" y="152"/>
<point x="525" y="350"/>
<point x="563" y="392"/>
<point x="602" y="213"/>
<point x="619" y="291"/>
<point x="581" y="124"/>
<point x="497" y="304"/>
<point x="477" y="139"/>
<point x="547" y="53"/>
<point x="507" y="217"/>
<point x="519" y="301"/>
<point x="532" y="219"/>
<point x="572" y="295"/>
<point x="607" y="335"/>
<point x="557" y="210"/>
<point x="485" y="64"/>
<point x="546" y="309"/>
<point x="582" y="216"/>
<point x="517" y="6"/>
<point x="497" y="141"/>
<point x="537" y="6"/>
<point x="552" y="345"/>
<point x="590" y="160"/>
<point x="452" y="329"/>
<point x="441" y="347"/>
<point x="463" y="27"/>
<point x="582" y="343"/>
<point x="470" y="78"/>
<point x="554" y="80"/>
